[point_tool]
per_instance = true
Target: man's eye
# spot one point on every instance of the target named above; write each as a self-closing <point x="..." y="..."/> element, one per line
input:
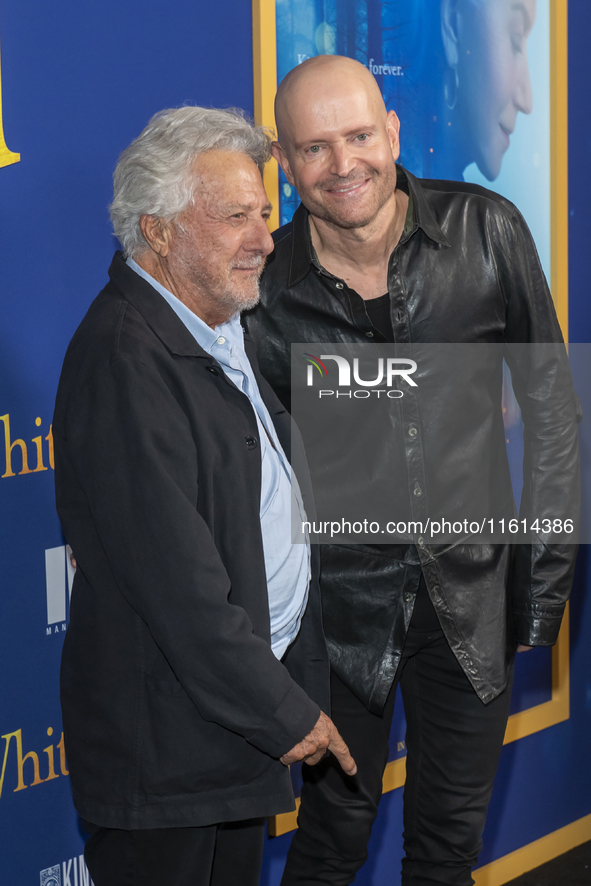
<point x="314" y="149"/>
<point x="362" y="137"/>
<point x="238" y="215"/>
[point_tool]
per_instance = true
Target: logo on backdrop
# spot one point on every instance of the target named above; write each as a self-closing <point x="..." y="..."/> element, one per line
<point x="51" y="876"/>
<point x="59" y="576"/>
<point x="72" y="872"/>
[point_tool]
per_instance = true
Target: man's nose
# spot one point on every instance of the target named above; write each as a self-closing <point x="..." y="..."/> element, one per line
<point x="259" y="239"/>
<point x="522" y="97"/>
<point x="342" y="160"/>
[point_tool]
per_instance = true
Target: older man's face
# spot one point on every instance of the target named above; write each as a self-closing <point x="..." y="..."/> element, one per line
<point x="221" y="242"/>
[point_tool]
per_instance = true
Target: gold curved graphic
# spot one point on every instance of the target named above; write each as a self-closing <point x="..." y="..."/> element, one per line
<point x="7" y="158"/>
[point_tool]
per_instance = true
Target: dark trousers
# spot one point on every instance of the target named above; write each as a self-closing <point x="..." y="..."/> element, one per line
<point x="453" y="745"/>
<point x="218" y="855"/>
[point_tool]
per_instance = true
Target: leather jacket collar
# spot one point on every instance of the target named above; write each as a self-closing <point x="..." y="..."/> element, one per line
<point x="302" y="252"/>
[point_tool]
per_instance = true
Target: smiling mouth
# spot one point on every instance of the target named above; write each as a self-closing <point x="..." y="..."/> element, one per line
<point x="351" y="188"/>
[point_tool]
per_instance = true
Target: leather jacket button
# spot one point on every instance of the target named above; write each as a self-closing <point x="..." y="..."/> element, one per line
<point x="420" y="540"/>
<point x="412" y="431"/>
<point x="408" y="598"/>
<point x="212" y="369"/>
<point x="369" y="334"/>
<point x="339" y="285"/>
<point x="417" y="489"/>
<point x="251" y="442"/>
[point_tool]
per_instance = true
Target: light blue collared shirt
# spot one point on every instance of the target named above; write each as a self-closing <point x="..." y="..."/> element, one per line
<point x="287" y="565"/>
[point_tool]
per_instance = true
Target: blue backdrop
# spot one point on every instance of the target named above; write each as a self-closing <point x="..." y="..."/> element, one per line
<point x="79" y="81"/>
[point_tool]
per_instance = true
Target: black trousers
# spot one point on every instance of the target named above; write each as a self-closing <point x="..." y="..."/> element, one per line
<point x="453" y="745"/>
<point x="218" y="855"/>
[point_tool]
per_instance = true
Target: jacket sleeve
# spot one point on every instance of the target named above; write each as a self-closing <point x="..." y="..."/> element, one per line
<point x="127" y="445"/>
<point x="543" y="570"/>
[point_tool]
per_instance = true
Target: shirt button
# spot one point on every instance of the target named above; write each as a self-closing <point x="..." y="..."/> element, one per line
<point x="412" y="431"/>
<point x="339" y="285"/>
<point x="369" y="334"/>
<point x="220" y="340"/>
<point x="417" y="489"/>
<point x="212" y="369"/>
<point x="251" y="441"/>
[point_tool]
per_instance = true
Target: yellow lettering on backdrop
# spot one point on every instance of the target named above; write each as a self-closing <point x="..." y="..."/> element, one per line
<point x="21" y="759"/>
<point x="49" y="439"/>
<point x="18" y="737"/>
<point x="16" y="454"/>
<point x="6" y="157"/>
<point x="38" y="441"/>
<point x="9" y="446"/>
<point x="49" y="752"/>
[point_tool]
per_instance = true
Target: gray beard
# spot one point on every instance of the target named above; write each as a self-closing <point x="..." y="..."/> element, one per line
<point x="232" y="302"/>
<point x="220" y="289"/>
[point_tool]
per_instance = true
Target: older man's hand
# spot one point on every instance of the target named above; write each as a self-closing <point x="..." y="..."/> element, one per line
<point x="324" y="737"/>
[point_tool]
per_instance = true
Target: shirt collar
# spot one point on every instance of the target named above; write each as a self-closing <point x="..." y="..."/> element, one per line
<point x="203" y="334"/>
<point x="422" y="212"/>
<point x="420" y="216"/>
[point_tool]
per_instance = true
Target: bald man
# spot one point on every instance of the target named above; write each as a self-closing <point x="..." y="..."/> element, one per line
<point x="375" y="255"/>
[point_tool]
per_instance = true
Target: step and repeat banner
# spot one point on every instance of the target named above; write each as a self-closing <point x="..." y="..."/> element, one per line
<point x="77" y="84"/>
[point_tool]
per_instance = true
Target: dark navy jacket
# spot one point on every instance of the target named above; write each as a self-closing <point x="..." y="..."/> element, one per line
<point x="175" y="708"/>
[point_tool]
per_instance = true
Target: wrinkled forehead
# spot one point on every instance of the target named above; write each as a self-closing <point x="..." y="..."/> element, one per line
<point x="225" y="173"/>
<point x="224" y="165"/>
<point x="333" y="107"/>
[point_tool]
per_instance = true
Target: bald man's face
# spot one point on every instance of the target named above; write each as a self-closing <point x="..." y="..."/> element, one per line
<point x="338" y="146"/>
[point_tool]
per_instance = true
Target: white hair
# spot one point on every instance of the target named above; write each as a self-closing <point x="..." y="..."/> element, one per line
<point x="153" y="176"/>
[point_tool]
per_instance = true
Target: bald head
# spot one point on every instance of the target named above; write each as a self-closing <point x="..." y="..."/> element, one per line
<point x="337" y="143"/>
<point x="322" y="81"/>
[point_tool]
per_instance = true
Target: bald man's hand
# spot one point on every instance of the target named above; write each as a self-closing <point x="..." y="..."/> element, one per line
<point x="324" y="737"/>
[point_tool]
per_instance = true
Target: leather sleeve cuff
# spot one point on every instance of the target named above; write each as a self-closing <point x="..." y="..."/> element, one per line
<point x="295" y="717"/>
<point x="537" y="629"/>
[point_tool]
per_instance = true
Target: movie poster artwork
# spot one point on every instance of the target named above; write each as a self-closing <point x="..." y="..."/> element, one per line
<point x="473" y="97"/>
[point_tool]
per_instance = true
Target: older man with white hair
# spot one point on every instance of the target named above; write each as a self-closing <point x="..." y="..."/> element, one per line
<point x="194" y="667"/>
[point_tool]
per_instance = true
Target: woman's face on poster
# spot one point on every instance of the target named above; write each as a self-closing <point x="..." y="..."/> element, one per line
<point x="493" y="75"/>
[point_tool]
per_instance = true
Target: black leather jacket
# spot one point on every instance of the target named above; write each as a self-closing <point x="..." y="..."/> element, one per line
<point x="465" y="270"/>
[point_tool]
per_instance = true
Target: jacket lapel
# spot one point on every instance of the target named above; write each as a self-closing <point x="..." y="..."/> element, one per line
<point x="155" y="310"/>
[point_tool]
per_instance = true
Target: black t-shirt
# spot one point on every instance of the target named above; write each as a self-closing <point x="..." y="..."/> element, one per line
<point x="378" y="311"/>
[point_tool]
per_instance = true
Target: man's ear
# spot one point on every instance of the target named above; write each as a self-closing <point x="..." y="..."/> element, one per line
<point x="449" y="31"/>
<point x="393" y="130"/>
<point x="156" y="233"/>
<point x="283" y="161"/>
